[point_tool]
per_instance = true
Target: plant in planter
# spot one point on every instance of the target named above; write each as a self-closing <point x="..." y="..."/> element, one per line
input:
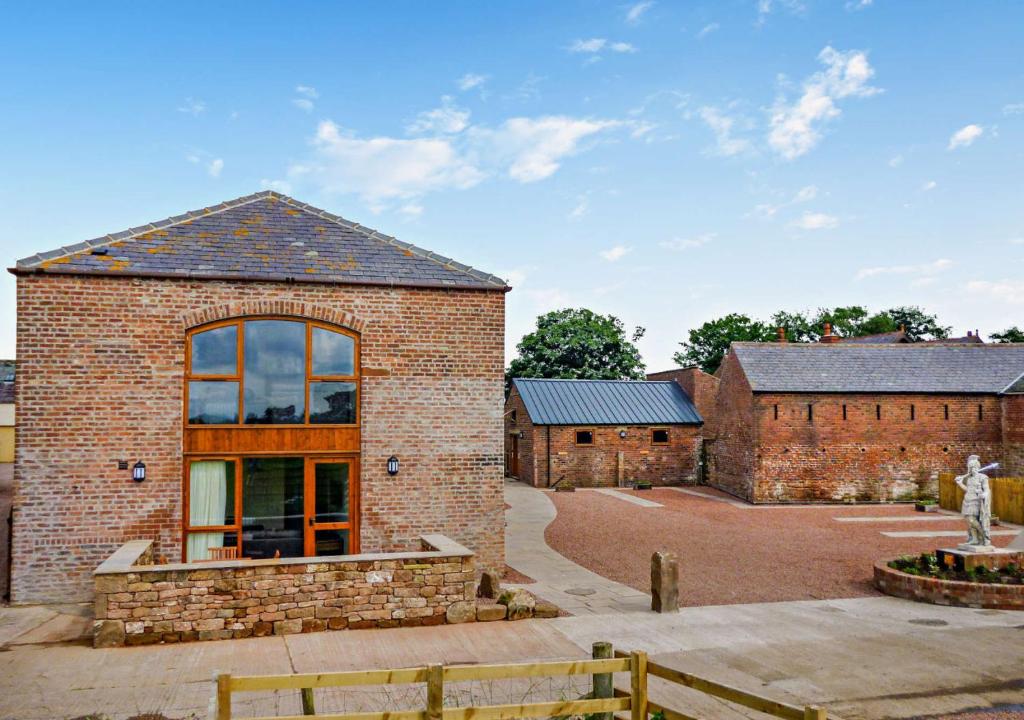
<point x="643" y="485"/>
<point x="926" y="505"/>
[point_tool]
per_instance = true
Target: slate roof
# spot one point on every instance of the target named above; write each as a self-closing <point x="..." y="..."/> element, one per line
<point x="265" y="236"/>
<point x="896" y="336"/>
<point x="606" y="402"/>
<point x="910" y="368"/>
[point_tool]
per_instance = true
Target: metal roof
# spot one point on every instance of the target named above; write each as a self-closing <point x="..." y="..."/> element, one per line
<point x="265" y="236"/>
<point x="890" y="368"/>
<point x="606" y="402"/>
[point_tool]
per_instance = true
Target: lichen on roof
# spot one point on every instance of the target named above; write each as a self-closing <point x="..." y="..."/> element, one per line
<point x="266" y="236"/>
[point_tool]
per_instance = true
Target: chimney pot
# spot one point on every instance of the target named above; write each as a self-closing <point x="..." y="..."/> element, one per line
<point x="782" y="334"/>
<point x="828" y="337"/>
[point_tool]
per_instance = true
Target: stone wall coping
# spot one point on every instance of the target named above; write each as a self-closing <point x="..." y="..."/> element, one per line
<point x="883" y="567"/>
<point x="124" y="557"/>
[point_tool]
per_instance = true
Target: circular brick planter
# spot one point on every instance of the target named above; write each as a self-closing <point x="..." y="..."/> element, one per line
<point x="947" y="592"/>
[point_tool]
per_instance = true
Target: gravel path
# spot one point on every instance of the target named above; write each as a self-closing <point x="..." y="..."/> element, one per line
<point x="733" y="555"/>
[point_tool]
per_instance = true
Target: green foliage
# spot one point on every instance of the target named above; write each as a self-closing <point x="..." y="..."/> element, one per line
<point x="578" y="344"/>
<point x="708" y="343"/>
<point x="1010" y="335"/>
<point x="927" y="565"/>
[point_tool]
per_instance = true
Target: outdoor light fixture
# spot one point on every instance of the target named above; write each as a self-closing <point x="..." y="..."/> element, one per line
<point x="392" y="465"/>
<point x="622" y="434"/>
<point x="139" y="471"/>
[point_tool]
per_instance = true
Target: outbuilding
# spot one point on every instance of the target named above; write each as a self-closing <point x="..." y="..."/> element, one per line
<point x="256" y="379"/>
<point x="601" y="433"/>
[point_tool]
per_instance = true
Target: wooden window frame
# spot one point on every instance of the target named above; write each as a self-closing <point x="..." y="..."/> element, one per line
<point x="668" y="436"/>
<point x="239" y="375"/>
<point x="186" y="520"/>
<point x="576" y="436"/>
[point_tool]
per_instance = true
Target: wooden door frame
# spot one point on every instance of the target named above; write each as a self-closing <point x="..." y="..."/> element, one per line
<point x="309" y="503"/>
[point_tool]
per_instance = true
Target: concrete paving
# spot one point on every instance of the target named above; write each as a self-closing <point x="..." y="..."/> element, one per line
<point x="943" y="533"/>
<point x="558" y="580"/>
<point x="642" y="502"/>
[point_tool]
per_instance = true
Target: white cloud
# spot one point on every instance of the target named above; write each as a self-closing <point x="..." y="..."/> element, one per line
<point x="927" y="269"/>
<point x="858" y="4"/>
<point x="795" y="127"/>
<point x="895" y="161"/>
<point x="582" y="208"/>
<point x="215" y="167"/>
<point x="767" y="7"/>
<point x="533" y="148"/>
<point x="816" y="221"/>
<point x="192" y="107"/>
<point x="1011" y="291"/>
<point x="637" y="10"/>
<point x="304" y="104"/>
<point x="470" y="81"/>
<point x="1017" y="241"/>
<point x="382" y="168"/>
<point x="307" y="91"/>
<point x="687" y="243"/>
<point x="447" y="119"/>
<point x="282" y="186"/>
<point x="722" y="126"/>
<point x="307" y="95"/>
<point x="1014" y="109"/>
<point x="594" y="46"/>
<point x="411" y="210"/>
<point x="930" y="185"/>
<point x="707" y="30"/>
<point x="965" y="136"/>
<point x="804" y="194"/>
<point x="613" y="254"/>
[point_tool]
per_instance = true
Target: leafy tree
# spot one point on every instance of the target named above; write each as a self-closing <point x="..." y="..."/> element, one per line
<point x="849" y="321"/>
<point x="577" y="343"/>
<point x="707" y="344"/>
<point x="799" y="328"/>
<point x="1009" y="335"/>
<point x="918" y="324"/>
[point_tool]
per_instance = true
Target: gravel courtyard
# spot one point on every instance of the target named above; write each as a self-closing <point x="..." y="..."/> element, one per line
<point x="729" y="554"/>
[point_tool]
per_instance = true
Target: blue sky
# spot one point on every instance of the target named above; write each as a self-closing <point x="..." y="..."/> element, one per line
<point x="665" y="162"/>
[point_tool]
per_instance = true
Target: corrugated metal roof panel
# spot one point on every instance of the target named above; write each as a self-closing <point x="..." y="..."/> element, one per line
<point x="606" y="402"/>
<point x="896" y="368"/>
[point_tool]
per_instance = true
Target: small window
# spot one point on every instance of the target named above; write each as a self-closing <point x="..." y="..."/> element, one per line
<point x="810" y="412"/>
<point x="844" y="411"/>
<point x="584" y="437"/>
<point x="945" y="411"/>
<point x="776" y="412"/>
<point x="981" y="412"/>
<point x="913" y="415"/>
<point x="878" y="412"/>
<point x="659" y="436"/>
<point x="512" y="417"/>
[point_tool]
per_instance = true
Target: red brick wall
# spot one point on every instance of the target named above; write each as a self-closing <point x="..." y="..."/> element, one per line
<point x="100" y="379"/>
<point x="529" y="470"/>
<point x="702" y="389"/>
<point x="831" y="459"/>
<point x="731" y="449"/>
<point x="1013" y="435"/>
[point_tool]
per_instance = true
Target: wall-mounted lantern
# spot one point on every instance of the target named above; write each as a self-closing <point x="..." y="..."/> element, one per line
<point x="139" y="471"/>
<point x="622" y="434"/>
<point x="392" y="465"/>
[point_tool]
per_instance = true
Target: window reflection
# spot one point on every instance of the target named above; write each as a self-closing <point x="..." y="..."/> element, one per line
<point x="275" y="372"/>
<point x="212" y="402"/>
<point x="332" y="402"/>
<point x="215" y="352"/>
<point x="333" y="353"/>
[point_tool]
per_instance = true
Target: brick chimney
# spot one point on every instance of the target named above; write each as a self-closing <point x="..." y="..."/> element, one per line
<point x="828" y="337"/>
<point x="782" y="334"/>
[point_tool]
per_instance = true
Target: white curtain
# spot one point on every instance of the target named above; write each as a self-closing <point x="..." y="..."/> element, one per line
<point x="207" y="498"/>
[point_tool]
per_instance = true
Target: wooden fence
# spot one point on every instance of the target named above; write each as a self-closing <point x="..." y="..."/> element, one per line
<point x="1007" y="496"/>
<point x="600" y="704"/>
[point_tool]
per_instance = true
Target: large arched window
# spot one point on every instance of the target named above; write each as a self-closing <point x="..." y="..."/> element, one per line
<point x="272" y="371"/>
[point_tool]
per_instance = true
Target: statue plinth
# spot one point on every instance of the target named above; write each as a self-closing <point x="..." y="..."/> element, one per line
<point x="987" y="556"/>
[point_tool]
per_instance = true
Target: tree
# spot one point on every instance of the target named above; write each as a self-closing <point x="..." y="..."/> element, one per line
<point x="918" y="324"/>
<point x="1010" y="335"/>
<point x="577" y="343"/>
<point x="850" y="321"/>
<point x="799" y="328"/>
<point x="708" y="343"/>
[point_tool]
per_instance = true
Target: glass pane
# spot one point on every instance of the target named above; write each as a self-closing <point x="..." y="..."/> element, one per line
<point x="272" y="507"/>
<point x="211" y="493"/>
<point x="275" y="372"/>
<point x="215" y="352"/>
<point x="332" y="542"/>
<point x="331" y="492"/>
<point x="200" y="545"/>
<point x="333" y="353"/>
<point x="332" y="402"/>
<point x="212" y="402"/>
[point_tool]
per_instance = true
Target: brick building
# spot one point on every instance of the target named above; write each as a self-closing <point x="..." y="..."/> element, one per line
<point x="259" y="362"/>
<point x="593" y="433"/>
<point x="834" y="421"/>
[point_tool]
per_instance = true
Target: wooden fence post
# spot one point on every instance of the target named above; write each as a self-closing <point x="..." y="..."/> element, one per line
<point x="638" y="684"/>
<point x="813" y="712"/>
<point x="308" y="706"/>
<point x="601" y="686"/>
<point x="224" y="696"/>
<point x="435" y="692"/>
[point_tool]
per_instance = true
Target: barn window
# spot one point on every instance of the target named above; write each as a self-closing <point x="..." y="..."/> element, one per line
<point x="878" y="412"/>
<point x="584" y="437"/>
<point x="844" y="411"/>
<point x="810" y="412"/>
<point x="912" y="413"/>
<point x="659" y="436"/>
<point x="981" y="412"/>
<point x="945" y="411"/>
<point x="776" y="407"/>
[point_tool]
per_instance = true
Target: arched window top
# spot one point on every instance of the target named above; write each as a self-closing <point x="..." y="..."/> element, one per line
<point x="272" y="371"/>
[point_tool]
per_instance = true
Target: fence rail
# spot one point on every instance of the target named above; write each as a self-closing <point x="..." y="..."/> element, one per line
<point x="601" y="703"/>
<point x="1007" y="496"/>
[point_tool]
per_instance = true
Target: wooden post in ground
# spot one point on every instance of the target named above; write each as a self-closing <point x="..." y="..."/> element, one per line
<point x="435" y="692"/>
<point x="224" y="696"/>
<point x="638" y="685"/>
<point x="308" y="707"/>
<point x="664" y="582"/>
<point x="813" y="712"/>
<point x="602" y="682"/>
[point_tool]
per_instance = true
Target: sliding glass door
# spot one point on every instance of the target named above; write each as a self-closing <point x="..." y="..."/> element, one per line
<point x="278" y="507"/>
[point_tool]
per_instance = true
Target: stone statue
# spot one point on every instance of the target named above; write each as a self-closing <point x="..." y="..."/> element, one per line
<point x="977" y="506"/>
